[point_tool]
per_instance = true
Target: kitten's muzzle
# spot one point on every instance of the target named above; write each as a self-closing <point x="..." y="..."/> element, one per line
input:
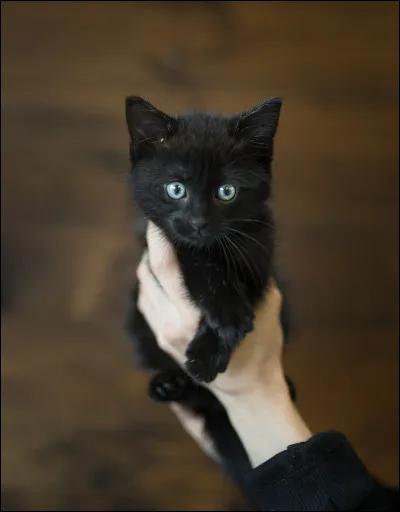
<point x="199" y="224"/>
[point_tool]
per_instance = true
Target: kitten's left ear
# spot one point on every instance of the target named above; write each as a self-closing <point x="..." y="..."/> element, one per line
<point x="258" y="123"/>
<point x="146" y="124"/>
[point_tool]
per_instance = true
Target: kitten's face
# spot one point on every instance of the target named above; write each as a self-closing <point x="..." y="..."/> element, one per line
<point x="201" y="177"/>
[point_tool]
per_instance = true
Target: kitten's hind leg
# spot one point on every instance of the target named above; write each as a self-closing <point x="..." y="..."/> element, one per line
<point x="177" y="386"/>
<point x="169" y="386"/>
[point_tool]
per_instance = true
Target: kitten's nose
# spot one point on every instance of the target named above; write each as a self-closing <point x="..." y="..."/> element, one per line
<point x="198" y="223"/>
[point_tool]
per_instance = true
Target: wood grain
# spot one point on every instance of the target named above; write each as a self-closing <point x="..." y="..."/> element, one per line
<point x="77" y="428"/>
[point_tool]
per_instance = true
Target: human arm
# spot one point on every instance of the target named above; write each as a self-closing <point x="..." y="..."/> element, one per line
<point x="255" y="371"/>
<point x="293" y="470"/>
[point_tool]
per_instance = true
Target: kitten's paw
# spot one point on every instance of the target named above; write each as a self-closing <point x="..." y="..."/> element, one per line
<point x="206" y="358"/>
<point x="230" y="327"/>
<point x="168" y="386"/>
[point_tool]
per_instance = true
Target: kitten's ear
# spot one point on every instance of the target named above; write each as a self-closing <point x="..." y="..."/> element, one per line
<point x="259" y="123"/>
<point x="146" y="124"/>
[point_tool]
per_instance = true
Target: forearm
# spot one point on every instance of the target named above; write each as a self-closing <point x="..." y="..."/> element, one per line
<point x="295" y="470"/>
<point x="265" y="419"/>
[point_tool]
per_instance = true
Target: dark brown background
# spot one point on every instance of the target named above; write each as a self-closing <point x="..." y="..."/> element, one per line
<point x="77" y="428"/>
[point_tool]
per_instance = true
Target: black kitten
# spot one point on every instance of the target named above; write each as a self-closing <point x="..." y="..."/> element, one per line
<point x="205" y="180"/>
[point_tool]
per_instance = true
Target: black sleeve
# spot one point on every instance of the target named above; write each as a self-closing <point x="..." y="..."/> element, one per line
<point x="323" y="473"/>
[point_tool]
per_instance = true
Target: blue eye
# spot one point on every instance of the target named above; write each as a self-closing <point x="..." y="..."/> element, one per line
<point x="176" y="190"/>
<point x="226" y="192"/>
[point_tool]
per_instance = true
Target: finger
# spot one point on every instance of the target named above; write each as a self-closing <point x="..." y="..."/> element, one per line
<point x="154" y="318"/>
<point x="146" y="307"/>
<point x="164" y="264"/>
<point x="194" y="426"/>
<point x="148" y="283"/>
<point x="269" y="309"/>
<point x="192" y="423"/>
<point x="162" y="316"/>
<point x="176" y="352"/>
<point x="188" y="418"/>
<point x="161" y="252"/>
<point x="274" y="299"/>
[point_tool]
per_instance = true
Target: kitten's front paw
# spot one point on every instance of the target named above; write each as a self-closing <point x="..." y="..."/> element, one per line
<point x="207" y="357"/>
<point x="231" y="327"/>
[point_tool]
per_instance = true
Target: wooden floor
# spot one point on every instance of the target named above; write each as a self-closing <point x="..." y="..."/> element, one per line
<point x="77" y="428"/>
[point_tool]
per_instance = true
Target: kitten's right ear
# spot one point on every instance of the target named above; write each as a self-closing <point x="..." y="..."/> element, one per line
<point x="258" y="124"/>
<point x="146" y="124"/>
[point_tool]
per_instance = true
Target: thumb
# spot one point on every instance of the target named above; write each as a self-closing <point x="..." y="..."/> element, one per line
<point x="164" y="264"/>
<point x="161" y="252"/>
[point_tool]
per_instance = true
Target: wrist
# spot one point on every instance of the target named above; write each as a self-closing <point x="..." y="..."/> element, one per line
<point x="266" y="419"/>
<point x="268" y="384"/>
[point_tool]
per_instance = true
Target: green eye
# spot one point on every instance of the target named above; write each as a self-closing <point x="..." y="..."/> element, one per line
<point x="226" y="192"/>
<point x="176" y="190"/>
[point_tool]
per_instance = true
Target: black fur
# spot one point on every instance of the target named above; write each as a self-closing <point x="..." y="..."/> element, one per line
<point x="225" y="248"/>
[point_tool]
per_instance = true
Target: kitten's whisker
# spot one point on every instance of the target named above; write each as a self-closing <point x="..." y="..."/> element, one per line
<point x="148" y="138"/>
<point x="257" y="221"/>
<point x="220" y="244"/>
<point x="228" y="245"/>
<point x="243" y="253"/>
<point x="242" y="233"/>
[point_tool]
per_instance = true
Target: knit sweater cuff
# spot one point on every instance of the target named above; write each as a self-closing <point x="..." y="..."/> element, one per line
<point x="323" y="473"/>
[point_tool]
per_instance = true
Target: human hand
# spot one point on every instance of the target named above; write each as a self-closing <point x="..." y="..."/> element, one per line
<point x="253" y="388"/>
<point x="174" y="319"/>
